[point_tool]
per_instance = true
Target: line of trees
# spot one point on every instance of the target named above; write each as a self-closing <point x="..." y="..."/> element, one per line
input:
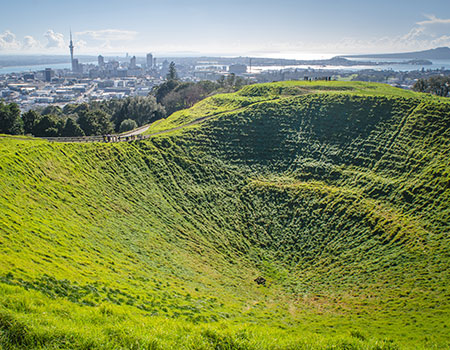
<point x="106" y="117"/>
<point x="95" y="118"/>
<point x="174" y="95"/>
<point x="437" y="85"/>
<point x="10" y="121"/>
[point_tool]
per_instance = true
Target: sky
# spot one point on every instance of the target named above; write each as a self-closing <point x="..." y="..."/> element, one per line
<point x="280" y="28"/>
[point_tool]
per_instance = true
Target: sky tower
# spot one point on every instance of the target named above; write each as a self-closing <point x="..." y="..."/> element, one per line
<point x="71" y="52"/>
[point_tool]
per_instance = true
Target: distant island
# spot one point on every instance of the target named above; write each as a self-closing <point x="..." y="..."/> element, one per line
<point x="440" y="53"/>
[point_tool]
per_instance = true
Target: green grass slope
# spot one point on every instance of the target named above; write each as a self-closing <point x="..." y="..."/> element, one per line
<point x="249" y="95"/>
<point x="338" y="194"/>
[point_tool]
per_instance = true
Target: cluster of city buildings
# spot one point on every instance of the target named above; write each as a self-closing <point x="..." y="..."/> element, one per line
<point x="115" y="78"/>
<point x="30" y="90"/>
<point x="82" y="83"/>
<point x="101" y="80"/>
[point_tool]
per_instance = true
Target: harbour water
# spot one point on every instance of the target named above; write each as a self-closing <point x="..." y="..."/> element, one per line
<point x="401" y="66"/>
<point x="33" y="68"/>
<point x="37" y="67"/>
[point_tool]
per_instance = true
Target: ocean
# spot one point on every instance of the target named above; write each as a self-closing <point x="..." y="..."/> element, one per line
<point x="437" y="64"/>
<point x="400" y="67"/>
<point x="33" y="68"/>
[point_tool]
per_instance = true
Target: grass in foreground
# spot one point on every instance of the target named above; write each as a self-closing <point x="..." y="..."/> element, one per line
<point x="338" y="198"/>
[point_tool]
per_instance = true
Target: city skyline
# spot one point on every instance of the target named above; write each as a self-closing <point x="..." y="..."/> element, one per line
<point x="286" y="29"/>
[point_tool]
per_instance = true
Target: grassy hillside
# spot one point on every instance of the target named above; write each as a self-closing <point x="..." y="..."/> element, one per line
<point x="252" y="94"/>
<point x="338" y="194"/>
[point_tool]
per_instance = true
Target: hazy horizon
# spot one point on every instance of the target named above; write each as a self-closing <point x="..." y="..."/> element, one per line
<point x="286" y="29"/>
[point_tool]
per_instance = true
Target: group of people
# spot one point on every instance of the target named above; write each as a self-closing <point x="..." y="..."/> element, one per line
<point x="118" y="138"/>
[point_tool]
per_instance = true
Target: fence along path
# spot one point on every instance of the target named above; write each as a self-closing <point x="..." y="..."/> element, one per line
<point x="134" y="135"/>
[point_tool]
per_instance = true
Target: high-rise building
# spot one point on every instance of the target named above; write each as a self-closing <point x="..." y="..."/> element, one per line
<point x="71" y="47"/>
<point x="133" y="62"/>
<point x="48" y="74"/>
<point x="237" y="69"/>
<point x="101" y="61"/>
<point x="165" y="68"/>
<point x="149" y="61"/>
<point x="76" y="66"/>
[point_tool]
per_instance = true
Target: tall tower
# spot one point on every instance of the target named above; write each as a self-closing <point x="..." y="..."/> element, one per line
<point x="71" y="52"/>
<point x="101" y="61"/>
<point x="133" y="62"/>
<point x="149" y="61"/>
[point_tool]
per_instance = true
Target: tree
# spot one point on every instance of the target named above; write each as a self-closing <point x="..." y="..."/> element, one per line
<point x="221" y="81"/>
<point x="230" y="80"/>
<point x="71" y="128"/>
<point x="185" y="95"/>
<point x="437" y="85"/>
<point x="47" y="126"/>
<point x="164" y="89"/>
<point x="172" y="75"/>
<point x="10" y="120"/>
<point x="239" y="82"/>
<point x="141" y="109"/>
<point x="84" y="107"/>
<point x="50" y="109"/>
<point x="173" y="102"/>
<point x="127" y="124"/>
<point x="208" y="86"/>
<point x="175" y="95"/>
<point x="144" y="110"/>
<point x="30" y="119"/>
<point x="69" y="109"/>
<point x="95" y="122"/>
<point x="420" y="85"/>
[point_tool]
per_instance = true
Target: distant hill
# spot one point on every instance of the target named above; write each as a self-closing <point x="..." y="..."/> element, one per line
<point x="440" y="53"/>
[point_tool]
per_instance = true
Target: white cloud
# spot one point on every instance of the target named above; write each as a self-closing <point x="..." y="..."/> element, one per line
<point x="54" y="40"/>
<point x="80" y="44"/>
<point x="30" y="43"/>
<point x="432" y="20"/>
<point x="109" y="34"/>
<point x="8" y="41"/>
<point x="429" y="33"/>
<point x="8" y="37"/>
<point x="105" y="40"/>
<point x="106" y="46"/>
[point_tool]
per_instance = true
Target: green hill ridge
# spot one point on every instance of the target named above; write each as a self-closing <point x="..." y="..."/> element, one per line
<point x="337" y="194"/>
